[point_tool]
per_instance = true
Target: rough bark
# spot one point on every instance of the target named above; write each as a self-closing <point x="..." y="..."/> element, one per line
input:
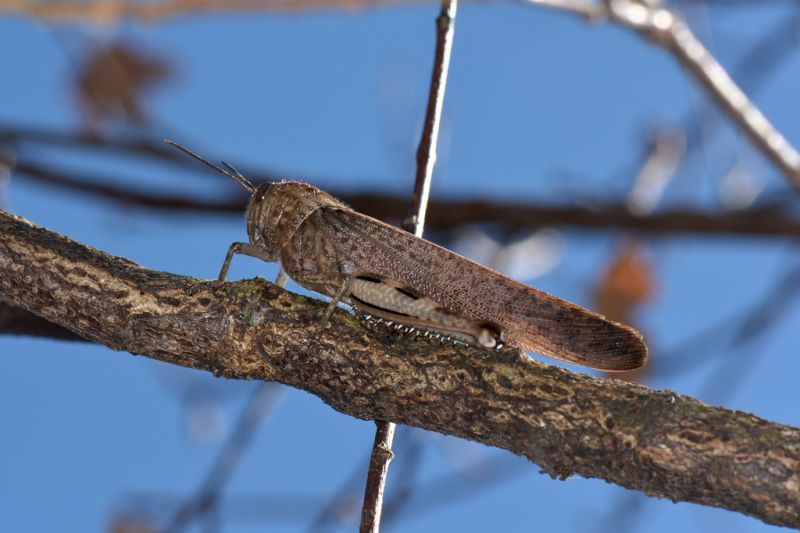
<point x="659" y="442"/>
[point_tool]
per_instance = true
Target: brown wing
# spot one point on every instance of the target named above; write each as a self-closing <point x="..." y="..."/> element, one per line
<point x="530" y="318"/>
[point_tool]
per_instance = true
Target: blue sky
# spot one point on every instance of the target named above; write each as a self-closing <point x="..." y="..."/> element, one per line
<point x="540" y="106"/>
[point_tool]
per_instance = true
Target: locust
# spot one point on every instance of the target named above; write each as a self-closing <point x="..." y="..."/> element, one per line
<point x="385" y="272"/>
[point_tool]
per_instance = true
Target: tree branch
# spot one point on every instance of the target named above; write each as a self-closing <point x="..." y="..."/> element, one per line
<point x="104" y="12"/>
<point x="658" y="442"/>
<point x="666" y="28"/>
<point x="774" y="220"/>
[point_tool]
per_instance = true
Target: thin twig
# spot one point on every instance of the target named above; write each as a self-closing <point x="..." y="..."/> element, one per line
<point x="405" y="474"/>
<point x="766" y="220"/>
<point x="379" y="461"/>
<point x="105" y="12"/>
<point x="588" y="9"/>
<point x="337" y="509"/>
<point x="666" y="28"/>
<point x="426" y="153"/>
<point x="752" y="70"/>
<point x="415" y="223"/>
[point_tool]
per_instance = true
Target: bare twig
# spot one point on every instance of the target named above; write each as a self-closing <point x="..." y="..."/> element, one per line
<point x="379" y="461"/>
<point x="138" y="146"/>
<point x="426" y="152"/>
<point x="454" y="487"/>
<point x="588" y="9"/>
<point x="661" y="443"/>
<point x="105" y="12"/>
<point x="104" y="188"/>
<point x="667" y="29"/>
<point x="752" y="70"/>
<point x="415" y="223"/>
<point x="405" y="473"/>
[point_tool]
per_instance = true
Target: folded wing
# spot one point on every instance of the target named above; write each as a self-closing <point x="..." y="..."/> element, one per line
<point x="530" y="318"/>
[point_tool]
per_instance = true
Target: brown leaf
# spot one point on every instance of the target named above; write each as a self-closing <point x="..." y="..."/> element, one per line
<point x="112" y="81"/>
<point x="626" y="283"/>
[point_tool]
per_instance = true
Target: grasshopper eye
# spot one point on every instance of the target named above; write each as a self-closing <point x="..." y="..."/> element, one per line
<point x="261" y="192"/>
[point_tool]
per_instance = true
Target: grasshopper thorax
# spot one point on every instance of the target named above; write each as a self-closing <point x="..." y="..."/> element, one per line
<point x="277" y="210"/>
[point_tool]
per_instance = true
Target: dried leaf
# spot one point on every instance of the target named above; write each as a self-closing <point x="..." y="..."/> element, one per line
<point x="626" y="283"/>
<point x="112" y="81"/>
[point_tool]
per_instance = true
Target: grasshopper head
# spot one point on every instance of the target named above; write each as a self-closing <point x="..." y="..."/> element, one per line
<point x="276" y="210"/>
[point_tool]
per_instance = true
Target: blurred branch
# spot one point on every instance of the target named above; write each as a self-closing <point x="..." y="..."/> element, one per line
<point x="207" y="498"/>
<point x="588" y="9"/>
<point x="103" y="188"/>
<point x="113" y="11"/>
<point x="665" y="153"/>
<point x="138" y="146"/>
<point x="661" y="443"/>
<point x="436" y="493"/>
<point x="769" y="220"/>
<point x="663" y="26"/>
<point x="736" y="332"/>
<point x="666" y="28"/>
<point x="14" y="134"/>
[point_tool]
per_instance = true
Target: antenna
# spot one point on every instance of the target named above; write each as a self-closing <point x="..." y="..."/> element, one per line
<point x="228" y="171"/>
